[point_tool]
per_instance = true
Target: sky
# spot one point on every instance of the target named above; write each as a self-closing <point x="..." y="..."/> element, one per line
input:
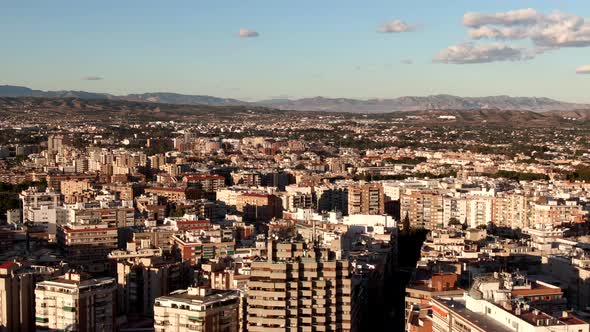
<point x="260" y="49"/>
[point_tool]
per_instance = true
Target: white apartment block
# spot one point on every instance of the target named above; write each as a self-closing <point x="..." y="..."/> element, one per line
<point x="72" y="303"/>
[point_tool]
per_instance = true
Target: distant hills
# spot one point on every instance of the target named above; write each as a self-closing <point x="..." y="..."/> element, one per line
<point x="16" y="109"/>
<point x="435" y="102"/>
<point x="179" y="99"/>
<point x="21" y="91"/>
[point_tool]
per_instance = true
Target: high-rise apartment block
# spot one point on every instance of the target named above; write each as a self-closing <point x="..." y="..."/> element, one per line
<point x="299" y="289"/>
<point x="74" y="303"/>
<point x="143" y="274"/>
<point x="16" y="299"/>
<point x="366" y="198"/>
<point x="73" y="188"/>
<point x="55" y="143"/>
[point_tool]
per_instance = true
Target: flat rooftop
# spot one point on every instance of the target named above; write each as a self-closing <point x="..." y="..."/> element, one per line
<point x="480" y="320"/>
<point x="212" y="295"/>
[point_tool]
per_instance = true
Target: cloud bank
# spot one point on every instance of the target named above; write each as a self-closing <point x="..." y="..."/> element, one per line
<point x="473" y="53"/>
<point x="544" y="32"/>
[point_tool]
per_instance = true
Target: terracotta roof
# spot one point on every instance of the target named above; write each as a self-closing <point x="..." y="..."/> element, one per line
<point x="571" y="320"/>
<point x="6" y="265"/>
<point x="536" y="291"/>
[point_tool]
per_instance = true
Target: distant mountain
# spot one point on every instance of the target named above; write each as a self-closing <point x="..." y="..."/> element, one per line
<point x="435" y="102"/>
<point x="20" y="91"/>
<point x="112" y="110"/>
<point x="156" y="97"/>
<point x="175" y="98"/>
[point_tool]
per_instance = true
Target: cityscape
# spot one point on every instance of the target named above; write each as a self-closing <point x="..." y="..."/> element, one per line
<point x="214" y="208"/>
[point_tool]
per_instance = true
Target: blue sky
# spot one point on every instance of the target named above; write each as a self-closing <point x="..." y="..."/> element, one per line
<point x="303" y="49"/>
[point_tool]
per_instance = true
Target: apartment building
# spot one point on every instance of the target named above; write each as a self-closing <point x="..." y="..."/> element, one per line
<point x="114" y="213"/>
<point x="246" y="178"/>
<point x="75" y="302"/>
<point x="170" y="193"/>
<point x="419" y="294"/>
<point x="557" y="212"/>
<point x="194" y="245"/>
<point x="54" y="180"/>
<point x="16" y="299"/>
<point x="479" y="210"/>
<point x="41" y="208"/>
<point x="331" y="198"/>
<point x="143" y="274"/>
<point x="197" y="309"/>
<point x="565" y="268"/>
<point x="511" y="210"/>
<point x="207" y="183"/>
<point x="506" y="302"/>
<point x="297" y="198"/>
<point x="158" y="236"/>
<point x="258" y="207"/>
<point x="297" y="289"/>
<point x="87" y="243"/>
<point x="71" y="189"/>
<point x="424" y="209"/>
<point x="366" y="198"/>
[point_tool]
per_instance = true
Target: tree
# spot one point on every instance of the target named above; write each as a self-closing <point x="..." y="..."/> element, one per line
<point x="177" y="213"/>
<point x="454" y="221"/>
<point x="406" y="223"/>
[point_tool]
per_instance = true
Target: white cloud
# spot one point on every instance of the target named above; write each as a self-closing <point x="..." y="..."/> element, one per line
<point x="92" y="78"/>
<point x="467" y="53"/>
<point x="396" y="26"/>
<point x="583" y="69"/>
<point x="502" y="33"/>
<point x="555" y="30"/>
<point x="545" y="32"/>
<point x="247" y="33"/>
<point x="514" y="17"/>
<point x="562" y="30"/>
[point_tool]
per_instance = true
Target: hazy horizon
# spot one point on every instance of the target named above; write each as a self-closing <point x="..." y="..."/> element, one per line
<point x="294" y="98"/>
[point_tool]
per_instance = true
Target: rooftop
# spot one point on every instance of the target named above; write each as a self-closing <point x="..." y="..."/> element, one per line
<point x="482" y="321"/>
<point x="199" y="295"/>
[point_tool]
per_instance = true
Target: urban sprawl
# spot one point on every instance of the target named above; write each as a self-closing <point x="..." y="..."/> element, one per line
<point x="285" y="221"/>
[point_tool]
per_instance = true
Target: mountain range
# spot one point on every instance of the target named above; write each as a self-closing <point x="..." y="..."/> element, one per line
<point x="434" y="102"/>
